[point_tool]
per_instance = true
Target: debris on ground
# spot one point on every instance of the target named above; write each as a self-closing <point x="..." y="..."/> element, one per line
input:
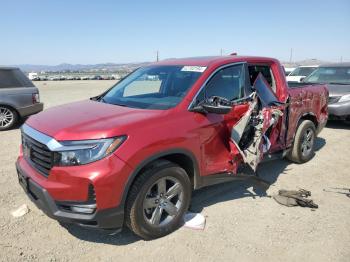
<point x="21" y="211"/>
<point x="291" y="198"/>
<point x="194" y="221"/>
<point x="339" y="190"/>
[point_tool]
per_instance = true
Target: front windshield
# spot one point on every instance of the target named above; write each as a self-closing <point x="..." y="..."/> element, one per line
<point x="330" y="75"/>
<point x="154" y="87"/>
<point x="303" y="71"/>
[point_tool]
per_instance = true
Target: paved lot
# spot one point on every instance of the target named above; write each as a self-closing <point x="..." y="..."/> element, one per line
<point x="242" y="225"/>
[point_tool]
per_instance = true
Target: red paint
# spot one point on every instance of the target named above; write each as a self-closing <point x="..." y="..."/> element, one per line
<point x="151" y="132"/>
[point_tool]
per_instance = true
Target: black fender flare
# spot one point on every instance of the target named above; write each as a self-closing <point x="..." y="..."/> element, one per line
<point x="159" y="155"/>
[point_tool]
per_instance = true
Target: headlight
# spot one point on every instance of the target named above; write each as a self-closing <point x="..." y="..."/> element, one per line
<point x="344" y="98"/>
<point x="75" y="153"/>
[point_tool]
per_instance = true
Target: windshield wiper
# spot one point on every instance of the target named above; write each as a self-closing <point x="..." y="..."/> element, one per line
<point x="116" y="104"/>
<point x="337" y="83"/>
<point x="314" y="83"/>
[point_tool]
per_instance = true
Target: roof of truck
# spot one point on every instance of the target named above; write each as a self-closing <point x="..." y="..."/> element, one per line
<point x="208" y="60"/>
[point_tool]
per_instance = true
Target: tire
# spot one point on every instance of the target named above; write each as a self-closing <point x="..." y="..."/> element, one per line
<point x="8" y="118"/>
<point x="150" y="211"/>
<point x="304" y="142"/>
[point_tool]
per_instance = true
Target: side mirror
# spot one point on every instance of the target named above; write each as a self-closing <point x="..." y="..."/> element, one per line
<point x="217" y="109"/>
<point x="214" y="105"/>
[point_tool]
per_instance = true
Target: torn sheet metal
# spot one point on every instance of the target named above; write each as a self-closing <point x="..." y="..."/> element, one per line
<point x="249" y="135"/>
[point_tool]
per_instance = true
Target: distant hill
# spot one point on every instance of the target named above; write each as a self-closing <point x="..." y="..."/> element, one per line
<point x="80" y="67"/>
<point x="126" y="66"/>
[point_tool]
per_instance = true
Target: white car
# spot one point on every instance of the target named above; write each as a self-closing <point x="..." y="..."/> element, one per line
<point x="289" y="70"/>
<point x="300" y="73"/>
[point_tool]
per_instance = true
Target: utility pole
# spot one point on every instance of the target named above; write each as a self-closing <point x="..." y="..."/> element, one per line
<point x="157" y="59"/>
<point x="221" y="52"/>
<point x="341" y="59"/>
<point x="291" y="55"/>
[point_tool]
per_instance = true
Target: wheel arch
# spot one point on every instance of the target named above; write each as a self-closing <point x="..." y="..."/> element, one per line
<point x="309" y="116"/>
<point x="10" y="106"/>
<point x="182" y="157"/>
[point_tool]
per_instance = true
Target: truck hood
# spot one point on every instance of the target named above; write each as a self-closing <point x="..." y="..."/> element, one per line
<point x="338" y="90"/>
<point x="90" y="120"/>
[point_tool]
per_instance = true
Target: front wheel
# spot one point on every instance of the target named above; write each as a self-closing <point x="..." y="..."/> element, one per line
<point x="304" y="141"/>
<point x="158" y="200"/>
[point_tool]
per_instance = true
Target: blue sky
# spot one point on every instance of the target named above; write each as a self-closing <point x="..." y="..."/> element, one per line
<point x="76" y="31"/>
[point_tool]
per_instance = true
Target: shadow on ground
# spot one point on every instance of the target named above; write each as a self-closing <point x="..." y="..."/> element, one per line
<point x="269" y="171"/>
<point x="338" y="125"/>
<point x="120" y="239"/>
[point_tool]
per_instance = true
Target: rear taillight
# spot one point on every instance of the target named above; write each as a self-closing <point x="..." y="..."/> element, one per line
<point x="36" y="98"/>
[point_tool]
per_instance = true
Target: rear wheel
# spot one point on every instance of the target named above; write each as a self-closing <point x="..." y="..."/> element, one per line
<point x="303" y="146"/>
<point x="8" y="118"/>
<point x="158" y="200"/>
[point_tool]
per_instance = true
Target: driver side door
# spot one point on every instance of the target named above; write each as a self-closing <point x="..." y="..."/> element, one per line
<point x="229" y="82"/>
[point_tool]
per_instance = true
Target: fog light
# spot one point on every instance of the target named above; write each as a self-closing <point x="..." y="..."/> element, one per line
<point x="86" y="209"/>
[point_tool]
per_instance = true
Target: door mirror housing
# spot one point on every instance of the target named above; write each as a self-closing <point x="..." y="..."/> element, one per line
<point x="214" y="105"/>
<point x="217" y="109"/>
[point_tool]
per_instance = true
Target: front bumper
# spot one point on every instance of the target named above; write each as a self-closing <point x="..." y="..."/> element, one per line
<point x="110" y="218"/>
<point x="339" y="110"/>
<point x="30" y="110"/>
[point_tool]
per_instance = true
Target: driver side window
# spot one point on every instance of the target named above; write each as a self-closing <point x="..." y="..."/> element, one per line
<point x="227" y="83"/>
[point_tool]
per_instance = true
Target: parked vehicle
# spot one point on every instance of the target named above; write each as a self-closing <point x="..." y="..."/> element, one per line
<point x="106" y="77"/>
<point x="300" y="73"/>
<point x="19" y="98"/>
<point x="33" y="75"/>
<point x="337" y="78"/>
<point x="288" y="70"/>
<point x="135" y="153"/>
<point x="97" y="77"/>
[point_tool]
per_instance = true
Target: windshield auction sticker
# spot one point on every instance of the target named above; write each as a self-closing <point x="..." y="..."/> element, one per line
<point x="199" y="69"/>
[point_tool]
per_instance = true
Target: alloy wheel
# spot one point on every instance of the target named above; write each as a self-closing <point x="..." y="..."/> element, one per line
<point x="307" y="142"/>
<point x="163" y="201"/>
<point x="6" y="117"/>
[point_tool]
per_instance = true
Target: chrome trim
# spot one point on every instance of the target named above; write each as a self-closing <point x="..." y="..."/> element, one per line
<point x="50" y="142"/>
<point x="211" y="75"/>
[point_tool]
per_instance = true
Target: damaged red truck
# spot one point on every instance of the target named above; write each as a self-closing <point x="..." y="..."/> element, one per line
<point x="133" y="155"/>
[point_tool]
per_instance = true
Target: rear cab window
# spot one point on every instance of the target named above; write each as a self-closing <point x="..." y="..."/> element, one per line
<point x="12" y="78"/>
<point x="266" y="71"/>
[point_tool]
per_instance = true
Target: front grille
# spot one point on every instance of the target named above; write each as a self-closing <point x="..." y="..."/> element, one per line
<point x="333" y="99"/>
<point x="37" y="154"/>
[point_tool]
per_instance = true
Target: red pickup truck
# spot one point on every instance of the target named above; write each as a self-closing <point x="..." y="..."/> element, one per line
<point x="133" y="154"/>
